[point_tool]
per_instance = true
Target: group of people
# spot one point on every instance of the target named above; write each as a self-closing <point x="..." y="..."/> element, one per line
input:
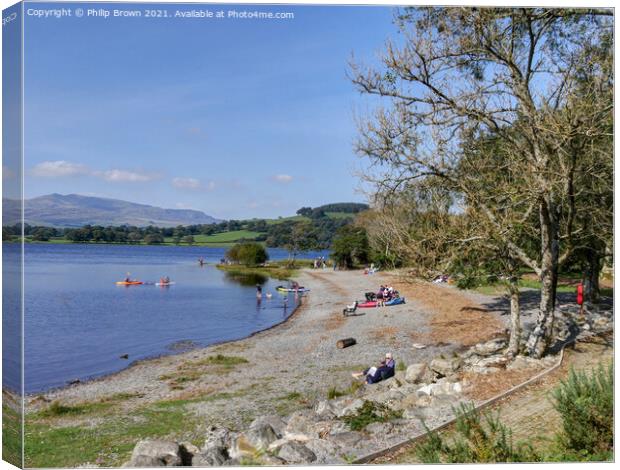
<point x="319" y="262"/>
<point x="384" y="370"/>
<point x="370" y="269"/>
<point x="384" y="294"/>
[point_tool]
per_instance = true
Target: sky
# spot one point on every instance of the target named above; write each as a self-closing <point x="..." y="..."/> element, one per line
<point x="236" y="117"/>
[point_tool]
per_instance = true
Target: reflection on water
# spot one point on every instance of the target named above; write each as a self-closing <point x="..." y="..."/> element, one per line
<point x="247" y="279"/>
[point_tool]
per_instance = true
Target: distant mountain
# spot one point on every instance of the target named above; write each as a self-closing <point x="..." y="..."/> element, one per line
<point x="74" y="210"/>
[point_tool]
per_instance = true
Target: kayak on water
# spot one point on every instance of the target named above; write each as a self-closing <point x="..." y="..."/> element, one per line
<point x="165" y="284"/>
<point x="290" y="289"/>
<point x="129" y="283"/>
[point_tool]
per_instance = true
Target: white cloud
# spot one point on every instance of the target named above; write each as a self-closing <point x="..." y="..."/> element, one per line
<point x="124" y="176"/>
<point x="193" y="184"/>
<point x="58" y="168"/>
<point x="187" y="183"/>
<point x="283" y="178"/>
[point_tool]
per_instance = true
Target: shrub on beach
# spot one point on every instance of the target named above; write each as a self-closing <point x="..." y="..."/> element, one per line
<point x="586" y="406"/>
<point x="248" y="254"/>
<point x="479" y="438"/>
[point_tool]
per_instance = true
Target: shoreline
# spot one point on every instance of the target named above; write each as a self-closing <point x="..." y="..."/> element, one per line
<point x="144" y="361"/>
<point x="306" y="340"/>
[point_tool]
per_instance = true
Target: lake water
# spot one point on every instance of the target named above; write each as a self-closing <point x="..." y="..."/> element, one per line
<point x="78" y="323"/>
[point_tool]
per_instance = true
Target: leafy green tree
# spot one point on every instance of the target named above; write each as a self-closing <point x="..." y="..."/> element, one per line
<point x="134" y="237"/>
<point x="189" y="239"/>
<point x="248" y="254"/>
<point x="350" y="246"/>
<point x="153" y="239"/>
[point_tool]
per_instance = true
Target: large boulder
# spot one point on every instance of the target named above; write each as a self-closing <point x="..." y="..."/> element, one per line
<point x="157" y="453"/>
<point x="346" y="440"/>
<point x="324" y="409"/>
<point x="350" y="408"/>
<point x="490" y="347"/>
<point x="326" y="451"/>
<point x="242" y="448"/>
<point x="445" y="367"/>
<point x="276" y="422"/>
<point x="441" y="388"/>
<point x="296" y="453"/>
<point x="214" y="456"/>
<point x="260" y="436"/>
<point x="301" y="422"/>
<point x="218" y="437"/>
<point x="417" y="373"/>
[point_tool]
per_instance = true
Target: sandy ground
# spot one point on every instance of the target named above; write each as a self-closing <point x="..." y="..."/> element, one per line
<point x="300" y="356"/>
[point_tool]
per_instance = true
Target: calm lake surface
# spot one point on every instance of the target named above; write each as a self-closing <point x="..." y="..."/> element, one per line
<point x="77" y="322"/>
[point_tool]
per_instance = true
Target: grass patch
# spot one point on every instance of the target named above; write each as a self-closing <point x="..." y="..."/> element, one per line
<point x="109" y="444"/>
<point x="11" y="434"/>
<point x="292" y="396"/>
<point x="334" y="392"/>
<point x="57" y="409"/>
<point x="195" y="370"/>
<point x="277" y="270"/>
<point x="370" y="412"/>
<point x="401" y="366"/>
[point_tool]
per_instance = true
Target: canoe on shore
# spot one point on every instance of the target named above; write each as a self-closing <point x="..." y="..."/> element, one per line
<point x="290" y="289"/>
<point x="374" y="303"/>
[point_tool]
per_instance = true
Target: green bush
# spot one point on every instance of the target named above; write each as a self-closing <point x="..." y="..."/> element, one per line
<point x="585" y="404"/>
<point x="478" y="439"/>
<point x="370" y="412"/>
<point x="248" y="254"/>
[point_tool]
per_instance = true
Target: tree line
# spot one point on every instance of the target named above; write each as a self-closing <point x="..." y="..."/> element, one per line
<point x="492" y="150"/>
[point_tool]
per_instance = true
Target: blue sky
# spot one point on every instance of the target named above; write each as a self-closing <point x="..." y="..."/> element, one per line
<point x="238" y="118"/>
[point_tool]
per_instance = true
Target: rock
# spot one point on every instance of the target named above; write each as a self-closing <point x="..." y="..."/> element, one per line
<point x="338" y="427"/>
<point x="242" y="448"/>
<point x="300" y="422"/>
<point x="276" y="422"/>
<point x="260" y="436"/>
<point x="379" y="428"/>
<point x="347" y="439"/>
<point x="417" y="373"/>
<point x="418" y="346"/>
<point x="351" y="408"/>
<point x="389" y="398"/>
<point x="296" y="453"/>
<point x="144" y="461"/>
<point x="326" y="451"/>
<point x="490" y="347"/>
<point x="443" y="388"/>
<point x="271" y="460"/>
<point x="218" y="437"/>
<point x="189" y="448"/>
<point x="213" y="456"/>
<point x="159" y="452"/>
<point x="324" y="409"/>
<point x="445" y="367"/>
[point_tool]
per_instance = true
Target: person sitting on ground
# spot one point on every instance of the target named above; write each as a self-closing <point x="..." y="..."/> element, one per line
<point x="385" y="370"/>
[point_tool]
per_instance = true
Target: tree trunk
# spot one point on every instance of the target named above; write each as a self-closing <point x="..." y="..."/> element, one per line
<point x="592" y="292"/>
<point x="515" y="318"/>
<point x="539" y="338"/>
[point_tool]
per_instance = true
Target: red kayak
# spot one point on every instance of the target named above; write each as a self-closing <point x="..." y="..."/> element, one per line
<point x="367" y="304"/>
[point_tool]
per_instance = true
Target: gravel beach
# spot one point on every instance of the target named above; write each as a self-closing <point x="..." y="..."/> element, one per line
<point x="292" y="363"/>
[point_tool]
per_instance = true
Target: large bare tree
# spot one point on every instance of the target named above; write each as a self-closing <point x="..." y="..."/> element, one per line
<point x="454" y="76"/>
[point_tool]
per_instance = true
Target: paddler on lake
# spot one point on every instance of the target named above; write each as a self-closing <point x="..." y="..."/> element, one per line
<point x="201" y="261"/>
<point x="259" y="291"/>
